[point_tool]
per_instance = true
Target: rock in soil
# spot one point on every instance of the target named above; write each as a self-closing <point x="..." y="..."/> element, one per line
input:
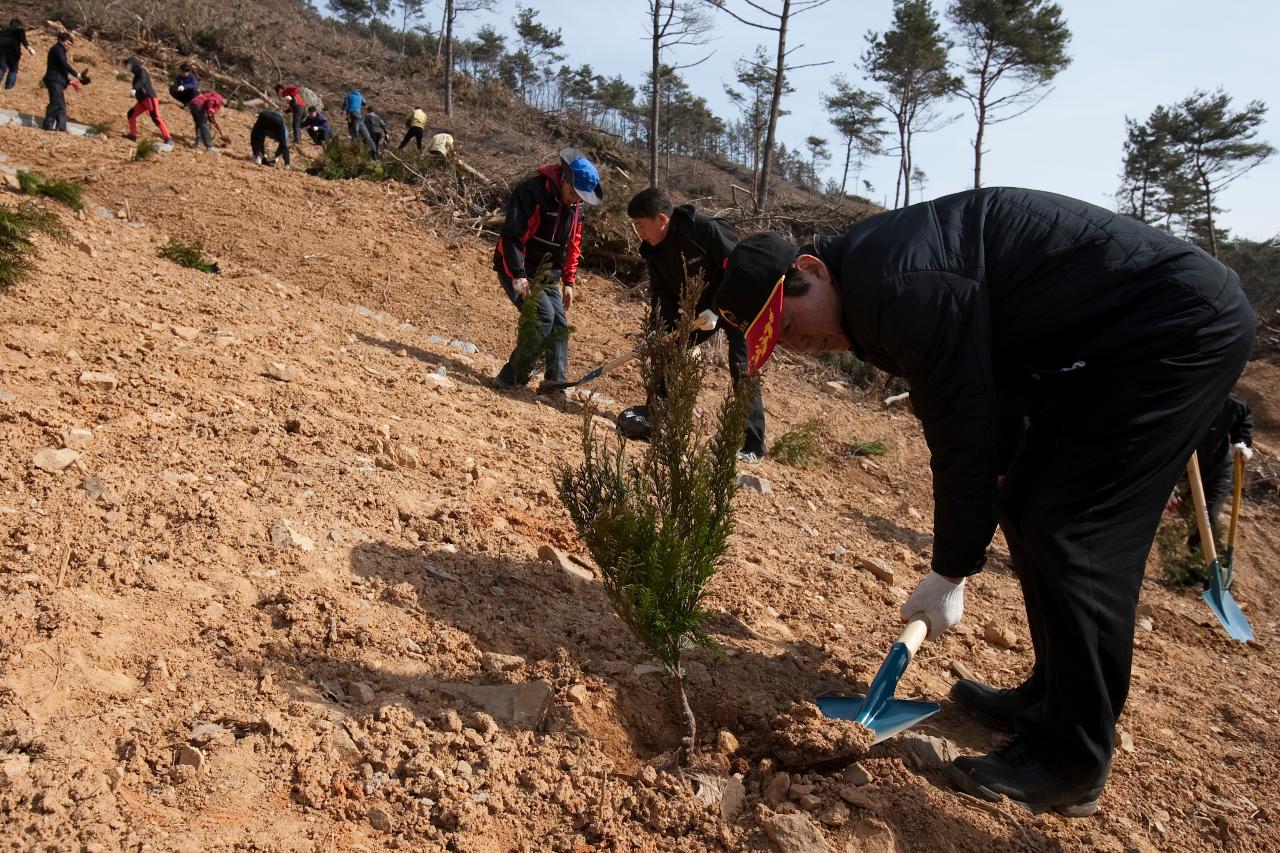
<point x="794" y="833"/>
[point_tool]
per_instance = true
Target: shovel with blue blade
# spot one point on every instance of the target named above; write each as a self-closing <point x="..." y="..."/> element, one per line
<point x="878" y="710"/>
<point x="1216" y="594"/>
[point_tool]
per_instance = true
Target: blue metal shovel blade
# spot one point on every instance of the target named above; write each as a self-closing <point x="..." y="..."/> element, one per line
<point x="878" y="710"/>
<point x="1223" y="604"/>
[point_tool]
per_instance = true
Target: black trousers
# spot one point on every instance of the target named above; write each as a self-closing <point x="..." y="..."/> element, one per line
<point x="297" y="114"/>
<point x="414" y="133"/>
<point x="1080" y="505"/>
<point x="55" y="116"/>
<point x="753" y="441"/>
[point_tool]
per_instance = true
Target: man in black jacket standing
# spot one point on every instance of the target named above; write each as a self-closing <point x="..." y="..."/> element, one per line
<point x="58" y="76"/>
<point x="1119" y="344"/>
<point x="679" y="245"/>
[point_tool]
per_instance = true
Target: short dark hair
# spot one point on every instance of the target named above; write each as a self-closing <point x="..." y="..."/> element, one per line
<point x="795" y="282"/>
<point x="311" y="109"/>
<point x="648" y="203"/>
<point x="186" y="66"/>
<point x="64" y="36"/>
<point x="16" y="24"/>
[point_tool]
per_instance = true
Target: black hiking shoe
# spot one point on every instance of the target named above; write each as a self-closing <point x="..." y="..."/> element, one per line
<point x="636" y="423"/>
<point x="1016" y="773"/>
<point x="502" y="383"/>
<point x="992" y="707"/>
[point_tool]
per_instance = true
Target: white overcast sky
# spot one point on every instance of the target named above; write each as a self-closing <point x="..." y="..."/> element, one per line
<point x="1128" y="56"/>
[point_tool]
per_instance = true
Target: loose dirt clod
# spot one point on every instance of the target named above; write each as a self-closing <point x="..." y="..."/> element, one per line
<point x="803" y="737"/>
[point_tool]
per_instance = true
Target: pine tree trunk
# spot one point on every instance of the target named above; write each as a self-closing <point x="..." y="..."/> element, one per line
<point x="1208" y="213"/>
<point x="762" y="190"/>
<point x="654" y="81"/>
<point x="848" y="152"/>
<point x="448" y="57"/>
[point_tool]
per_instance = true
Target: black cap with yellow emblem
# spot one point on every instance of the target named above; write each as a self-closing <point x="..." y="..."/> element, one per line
<point x="750" y="294"/>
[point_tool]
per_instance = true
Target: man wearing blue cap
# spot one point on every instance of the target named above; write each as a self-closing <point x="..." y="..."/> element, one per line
<point x="544" y="219"/>
<point x="1115" y="341"/>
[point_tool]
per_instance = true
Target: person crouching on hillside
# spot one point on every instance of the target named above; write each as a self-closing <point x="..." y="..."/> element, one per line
<point x="58" y="75"/>
<point x="317" y="126"/>
<point x="204" y="108"/>
<point x="680" y="245"/>
<point x="270" y="125"/>
<point x="185" y="86"/>
<point x="147" y="101"/>
<point x="544" y="221"/>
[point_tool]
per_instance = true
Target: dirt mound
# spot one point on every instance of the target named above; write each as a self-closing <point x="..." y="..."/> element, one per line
<point x="286" y="594"/>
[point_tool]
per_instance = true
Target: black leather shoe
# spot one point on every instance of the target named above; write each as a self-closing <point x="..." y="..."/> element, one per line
<point x="992" y="707"/>
<point x="1014" y="772"/>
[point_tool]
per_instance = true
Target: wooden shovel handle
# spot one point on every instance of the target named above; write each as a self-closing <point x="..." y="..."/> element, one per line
<point x="1237" y="464"/>
<point x="914" y="633"/>
<point x="1207" y="547"/>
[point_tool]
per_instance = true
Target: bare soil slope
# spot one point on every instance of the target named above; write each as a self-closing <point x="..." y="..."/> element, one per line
<point x="285" y="595"/>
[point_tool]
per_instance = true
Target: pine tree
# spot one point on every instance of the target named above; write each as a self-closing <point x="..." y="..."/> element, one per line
<point x="657" y="528"/>
<point x="1023" y="42"/>
<point x="910" y="62"/>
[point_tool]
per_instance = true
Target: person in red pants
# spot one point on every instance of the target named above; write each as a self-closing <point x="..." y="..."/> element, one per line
<point x="147" y="102"/>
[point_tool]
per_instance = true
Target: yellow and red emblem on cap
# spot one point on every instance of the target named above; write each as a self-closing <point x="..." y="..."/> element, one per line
<point x="762" y="334"/>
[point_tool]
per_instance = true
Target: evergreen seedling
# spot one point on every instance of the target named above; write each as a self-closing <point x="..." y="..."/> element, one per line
<point x="69" y="193"/>
<point x="98" y="128"/>
<point x="186" y="255"/>
<point x="658" y="527"/>
<point x="865" y="448"/>
<point x="16" y="228"/>
<point x="144" y="149"/>
<point x="530" y="349"/>
<point x="800" y="447"/>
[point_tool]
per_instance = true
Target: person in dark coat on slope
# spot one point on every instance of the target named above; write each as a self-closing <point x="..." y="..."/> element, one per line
<point x="1117" y="342"/>
<point x="147" y="101"/>
<point x="13" y="40"/>
<point x="58" y="75"/>
<point x="270" y="125"/>
<point x="682" y="245"/>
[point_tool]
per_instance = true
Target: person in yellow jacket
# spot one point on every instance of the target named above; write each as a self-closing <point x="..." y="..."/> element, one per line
<point x="415" y="127"/>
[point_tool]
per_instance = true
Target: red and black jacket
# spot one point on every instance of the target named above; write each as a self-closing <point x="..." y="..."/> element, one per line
<point x="294" y="96"/>
<point x="538" y="224"/>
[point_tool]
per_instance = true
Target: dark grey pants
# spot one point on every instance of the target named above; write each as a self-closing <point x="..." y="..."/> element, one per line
<point x="55" y="116"/>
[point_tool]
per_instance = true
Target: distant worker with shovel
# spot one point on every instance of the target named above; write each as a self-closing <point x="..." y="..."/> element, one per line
<point x="270" y="125"/>
<point x="544" y="221"/>
<point x="1118" y="342"/>
<point x="1230" y="434"/>
<point x="204" y="109"/>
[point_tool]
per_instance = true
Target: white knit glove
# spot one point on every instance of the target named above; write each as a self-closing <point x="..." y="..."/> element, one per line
<point x="940" y="599"/>
<point x="1243" y="449"/>
<point x="706" y="321"/>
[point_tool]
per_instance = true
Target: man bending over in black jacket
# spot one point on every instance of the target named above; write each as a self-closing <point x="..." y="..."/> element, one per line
<point x="1117" y="342"/>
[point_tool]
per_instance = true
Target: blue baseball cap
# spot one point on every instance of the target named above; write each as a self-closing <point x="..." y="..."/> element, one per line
<point x="586" y="180"/>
